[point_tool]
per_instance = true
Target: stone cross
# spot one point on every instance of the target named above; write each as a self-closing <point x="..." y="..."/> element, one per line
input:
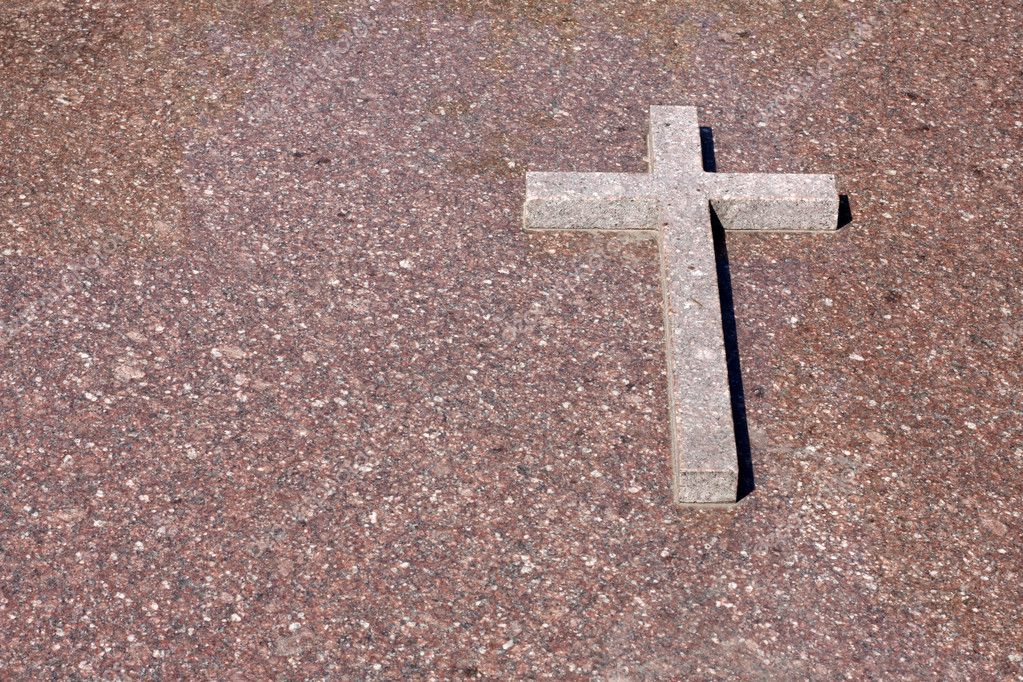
<point x="673" y="202"/>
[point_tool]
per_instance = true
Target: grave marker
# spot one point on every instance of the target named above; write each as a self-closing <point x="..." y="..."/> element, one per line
<point x="672" y="202"/>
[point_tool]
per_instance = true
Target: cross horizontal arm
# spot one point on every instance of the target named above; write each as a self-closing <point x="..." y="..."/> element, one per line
<point x="590" y="201"/>
<point x="774" y="202"/>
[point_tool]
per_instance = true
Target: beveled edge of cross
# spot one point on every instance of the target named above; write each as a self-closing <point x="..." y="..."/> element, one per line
<point x="634" y="202"/>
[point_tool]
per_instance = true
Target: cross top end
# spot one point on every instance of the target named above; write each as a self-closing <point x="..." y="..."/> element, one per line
<point x="672" y="202"/>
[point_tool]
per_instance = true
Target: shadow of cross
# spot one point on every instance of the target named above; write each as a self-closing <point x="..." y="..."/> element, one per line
<point x="672" y="202"/>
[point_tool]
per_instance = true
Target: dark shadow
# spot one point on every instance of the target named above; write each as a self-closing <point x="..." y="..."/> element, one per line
<point x="710" y="164"/>
<point x="746" y="478"/>
<point x="844" y="210"/>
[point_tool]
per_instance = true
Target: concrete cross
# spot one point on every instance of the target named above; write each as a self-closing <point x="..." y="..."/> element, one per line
<point x="672" y="202"/>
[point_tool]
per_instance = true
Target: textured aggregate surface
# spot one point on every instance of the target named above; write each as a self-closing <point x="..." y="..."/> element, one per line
<point x="287" y="393"/>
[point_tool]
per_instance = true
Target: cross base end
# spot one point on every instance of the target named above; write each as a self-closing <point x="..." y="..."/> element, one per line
<point x="717" y="488"/>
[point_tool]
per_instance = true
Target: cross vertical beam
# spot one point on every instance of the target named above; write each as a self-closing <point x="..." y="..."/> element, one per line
<point x="705" y="466"/>
<point x="673" y="202"/>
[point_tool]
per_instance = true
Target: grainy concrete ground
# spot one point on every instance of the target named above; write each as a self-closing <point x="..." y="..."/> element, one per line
<point x="287" y="393"/>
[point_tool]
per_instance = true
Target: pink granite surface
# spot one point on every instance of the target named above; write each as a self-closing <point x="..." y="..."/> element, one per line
<point x="286" y="392"/>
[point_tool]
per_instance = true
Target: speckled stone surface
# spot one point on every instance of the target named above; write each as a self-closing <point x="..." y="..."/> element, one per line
<point x="287" y="393"/>
<point x="672" y="202"/>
